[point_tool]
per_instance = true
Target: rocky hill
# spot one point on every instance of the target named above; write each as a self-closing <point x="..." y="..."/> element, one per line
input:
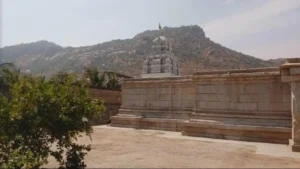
<point x="192" y="48"/>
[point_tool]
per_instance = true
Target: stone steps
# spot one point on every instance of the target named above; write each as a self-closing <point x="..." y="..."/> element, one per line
<point x="251" y="113"/>
<point x="159" y="113"/>
<point x="270" y="127"/>
<point x="275" y="119"/>
<point x="279" y="135"/>
<point x="147" y="123"/>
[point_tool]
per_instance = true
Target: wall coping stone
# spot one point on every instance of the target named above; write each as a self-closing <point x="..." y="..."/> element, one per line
<point x="265" y="76"/>
<point x="179" y="80"/>
<point x="155" y="109"/>
<point x="234" y="71"/>
<point x="286" y="70"/>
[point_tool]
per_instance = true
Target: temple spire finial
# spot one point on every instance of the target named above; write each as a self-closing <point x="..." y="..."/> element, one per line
<point x="160" y="28"/>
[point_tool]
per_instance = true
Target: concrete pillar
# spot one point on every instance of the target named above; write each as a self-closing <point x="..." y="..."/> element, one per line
<point x="295" y="89"/>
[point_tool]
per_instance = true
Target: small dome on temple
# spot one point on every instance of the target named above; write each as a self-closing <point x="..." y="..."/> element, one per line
<point x="161" y="44"/>
<point x="160" y="39"/>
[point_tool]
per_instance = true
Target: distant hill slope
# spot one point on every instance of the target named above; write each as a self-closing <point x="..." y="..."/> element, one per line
<point x="190" y="46"/>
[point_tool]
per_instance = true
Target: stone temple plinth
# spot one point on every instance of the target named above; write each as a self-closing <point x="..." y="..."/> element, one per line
<point x="161" y="62"/>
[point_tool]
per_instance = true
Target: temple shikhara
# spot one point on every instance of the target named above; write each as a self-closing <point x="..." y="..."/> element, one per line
<point x="260" y="105"/>
<point x="161" y="63"/>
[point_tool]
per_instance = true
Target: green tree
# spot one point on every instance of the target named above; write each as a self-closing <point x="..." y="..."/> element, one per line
<point x="45" y="118"/>
<point x="8" y="72"/>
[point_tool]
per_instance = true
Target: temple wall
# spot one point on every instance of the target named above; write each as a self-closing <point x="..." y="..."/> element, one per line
<point x="244" y="93"/>
<point x="169" y="98"/>
<point x="250" y="91"/>
<point x="250" y="105"/>
<point x="247" y="97"/>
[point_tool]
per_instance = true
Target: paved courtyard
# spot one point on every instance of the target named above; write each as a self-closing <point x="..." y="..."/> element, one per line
<point x="120" y="147"/>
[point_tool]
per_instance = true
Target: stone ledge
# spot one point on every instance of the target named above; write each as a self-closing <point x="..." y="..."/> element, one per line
<point x="155" y="109"/>
<point x="158" y="79"/>
<point x="238" y="132"/>
<point x="241" y="116"/>
<point x="239" y="127"/>
<point x="158" y="75"/>
<point x="296" y="148"/>
<point x="243" y="121"/>
<point x="290" y="65"/>
<point x="238" y="77"/>
<point x="290" y="71"/>
<point x="254" y="113"/>
<point x="147" y="123"/>
<point x="238" y="138"/>
<point x="120" y="117"/>
<point x="160" y="113"/>
<point x="232" y="71"/>
<point x="203" y="79"/>
<point x="145" y="127"/>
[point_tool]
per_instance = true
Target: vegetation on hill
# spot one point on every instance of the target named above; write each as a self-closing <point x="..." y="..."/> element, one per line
<point x="193" y="50"/>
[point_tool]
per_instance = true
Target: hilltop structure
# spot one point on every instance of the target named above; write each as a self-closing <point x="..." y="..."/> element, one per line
<point x="161" y="62"/>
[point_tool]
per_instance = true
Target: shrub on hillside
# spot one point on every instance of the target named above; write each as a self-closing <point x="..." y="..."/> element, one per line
<point x="104" y="80"/>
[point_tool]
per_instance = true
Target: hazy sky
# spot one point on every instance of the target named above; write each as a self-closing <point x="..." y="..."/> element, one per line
<point x="262" y="28"/>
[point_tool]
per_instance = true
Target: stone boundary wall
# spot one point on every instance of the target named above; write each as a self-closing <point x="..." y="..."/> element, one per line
<point x="247" y="104"/>
<point x="109" y="96"/>
<point x="112" y="100"/>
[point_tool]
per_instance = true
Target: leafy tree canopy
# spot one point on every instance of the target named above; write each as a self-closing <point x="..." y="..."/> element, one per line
<point x="44" y="118"/>
<point x="8" y="73"/>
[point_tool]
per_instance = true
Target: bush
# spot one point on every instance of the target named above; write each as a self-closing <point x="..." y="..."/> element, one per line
<point x="8" y="73"/>
<point x="104" y="80"/>
<point x="42" y="114"/>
